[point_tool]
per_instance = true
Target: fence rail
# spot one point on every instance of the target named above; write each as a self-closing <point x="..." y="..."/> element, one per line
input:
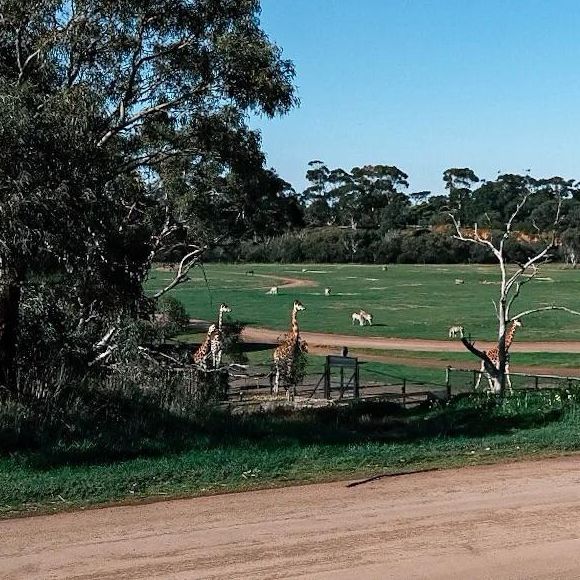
<point x="179" y="391"/>
<point x="465" y="380"/>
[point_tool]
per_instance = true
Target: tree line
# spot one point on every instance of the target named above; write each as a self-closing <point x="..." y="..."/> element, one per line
<point x="367" y="214"/>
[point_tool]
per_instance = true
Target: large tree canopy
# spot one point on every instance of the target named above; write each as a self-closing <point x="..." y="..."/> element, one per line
<point x="112" y="114"/>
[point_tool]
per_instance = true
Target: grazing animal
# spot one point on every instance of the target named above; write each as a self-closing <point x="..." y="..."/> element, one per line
<point x="493" y="356"/>
<point x="385" y="268"/>
<point x="203" y="352"/>
<point x="273" y="290"/>
<point x="459" y="281"/>
<point x="285" y="355"/>
<point x="217" y="337"/>
<point x="250" y="273"/>
<point x="455" y="331"/>
<point x="362" y="316"/>
<point x="327" y="291"/>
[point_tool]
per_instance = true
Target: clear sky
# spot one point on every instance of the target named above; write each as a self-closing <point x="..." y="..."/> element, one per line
<point x="428" y="84"/>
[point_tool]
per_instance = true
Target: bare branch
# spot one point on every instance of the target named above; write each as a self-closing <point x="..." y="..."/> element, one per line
<point x="543" y="255"/>
<point x="126" y="123"/>
<point x="187" y="262"/>
<point x="544" y="309"/>
<point x="104" y="341"/>
<point x="475" y="239"/>
<point x="519" y="285"/>
<point x="508" y="228"/>
<point x="489" y="366"/>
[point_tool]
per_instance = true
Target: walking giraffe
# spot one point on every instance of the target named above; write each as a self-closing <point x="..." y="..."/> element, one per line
<point x="287" y="351"/>
<point x="493" y="356"/>
<point x="217" y="337"/>
<point x="202" y="353"/>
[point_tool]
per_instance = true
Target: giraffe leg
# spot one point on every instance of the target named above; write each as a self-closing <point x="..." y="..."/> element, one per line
<point x="507" y="378"/>
<point x="276" y="381"/>
<point x="481" y="371"/>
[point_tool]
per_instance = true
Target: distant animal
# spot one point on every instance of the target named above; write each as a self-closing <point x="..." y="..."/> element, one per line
<point x="201" y="355"/>
<point x="385" y="268"/>
<point x="250" y="273"/>
<point x="455" y="331"/>
<point x="327" y="291"/>
<point x="273" y="290"/>
<point x="367" y="317"/>
<point x="362" y="316"/>
<point x="459" y="281"/>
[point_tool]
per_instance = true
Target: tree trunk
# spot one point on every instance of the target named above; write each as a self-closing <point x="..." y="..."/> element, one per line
<point x="10" y="293"/>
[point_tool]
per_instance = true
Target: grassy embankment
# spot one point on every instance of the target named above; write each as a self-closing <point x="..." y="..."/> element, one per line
<point x="229" y="453"/>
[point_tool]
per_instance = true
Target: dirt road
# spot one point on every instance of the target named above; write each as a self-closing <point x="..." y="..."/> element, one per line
<point x="256" y="334"/>
<point x="508" y="521"/>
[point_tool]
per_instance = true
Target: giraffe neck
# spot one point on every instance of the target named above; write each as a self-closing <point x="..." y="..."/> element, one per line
<point x="510" y="335"/>
<point x="294" y="324"/>
<point x="220" y="319"/>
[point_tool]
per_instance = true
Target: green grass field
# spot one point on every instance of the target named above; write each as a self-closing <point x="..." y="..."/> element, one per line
<point x="407" y="301"/>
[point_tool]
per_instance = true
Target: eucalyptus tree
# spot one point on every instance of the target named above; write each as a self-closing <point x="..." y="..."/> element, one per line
<point x="378" y="195"/>
<point x="108" y="110"/>
<point x="459" y="181"/>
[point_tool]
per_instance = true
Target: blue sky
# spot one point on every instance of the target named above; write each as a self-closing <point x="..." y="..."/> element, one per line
<point x="428" y="84"/>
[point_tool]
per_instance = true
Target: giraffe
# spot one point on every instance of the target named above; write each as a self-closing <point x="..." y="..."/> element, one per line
<point x="202" y="353"/>
<point x="217" y="337"/>
<point x="493" y="355"/>
<point x="285" y="354"/>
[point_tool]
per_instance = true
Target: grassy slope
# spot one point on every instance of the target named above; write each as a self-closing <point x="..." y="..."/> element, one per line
<point x="239" y="453"/>
<point x="407" y="300"/>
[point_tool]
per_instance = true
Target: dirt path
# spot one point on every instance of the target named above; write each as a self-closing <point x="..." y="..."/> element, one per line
<point x="256" y="334"/>
<point x="285" y="282"/>
<point x="504" y="521"/>
<point x="431" y="362"/>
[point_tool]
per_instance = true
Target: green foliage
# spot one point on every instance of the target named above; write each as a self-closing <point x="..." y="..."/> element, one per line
<point x="172" y="316"/>
<point x="123" y="136"/>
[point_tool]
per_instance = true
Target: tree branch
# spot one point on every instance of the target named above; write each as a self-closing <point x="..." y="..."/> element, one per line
<point x="489" y="366"/>
<point x="544" y="309"/>
<point x="187" y="262"/>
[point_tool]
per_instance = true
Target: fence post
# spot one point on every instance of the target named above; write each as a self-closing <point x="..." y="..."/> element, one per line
<point x="448" y="382"/>
<point x="404" y="392"/>
<point x="327" y="380"/>
<point x="474" y="379"/>
<point x="536" y="381"/>
<point x="356" y="381"/>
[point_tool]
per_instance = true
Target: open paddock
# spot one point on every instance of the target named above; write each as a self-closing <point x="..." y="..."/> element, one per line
<point x="408" y="301"/>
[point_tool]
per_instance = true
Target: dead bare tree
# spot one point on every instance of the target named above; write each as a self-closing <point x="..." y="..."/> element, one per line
<point x="513" y="279"/>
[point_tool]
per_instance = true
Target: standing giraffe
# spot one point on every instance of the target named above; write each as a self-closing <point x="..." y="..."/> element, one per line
<point x="217" y="337"/>
<point x="202" y="353"/>
<point x="287" y="351"/>
<point x="493" y="355"/>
